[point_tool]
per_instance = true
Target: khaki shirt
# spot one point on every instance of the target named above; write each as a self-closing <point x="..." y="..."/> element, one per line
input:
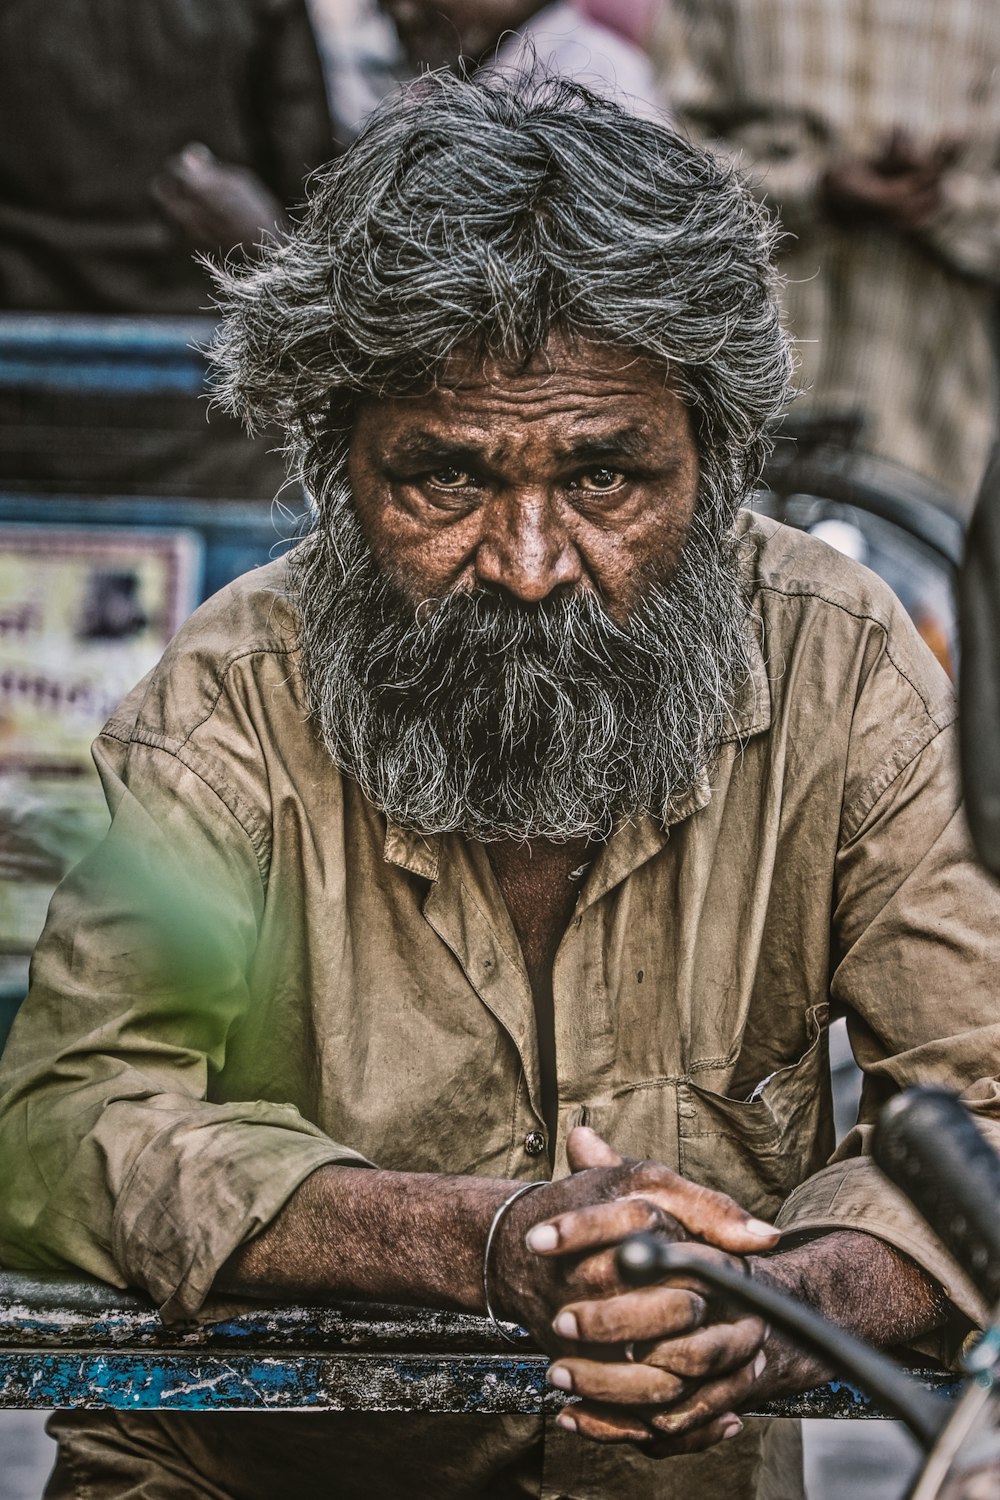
<point x="255" y="975"/>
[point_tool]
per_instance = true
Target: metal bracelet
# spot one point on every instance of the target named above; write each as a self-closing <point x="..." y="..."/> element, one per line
<point x="526" y="1187"/>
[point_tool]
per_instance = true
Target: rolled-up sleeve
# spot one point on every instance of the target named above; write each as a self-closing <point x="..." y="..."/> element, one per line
<point x="917" y="924"/>
<point x="122" y="1157"/>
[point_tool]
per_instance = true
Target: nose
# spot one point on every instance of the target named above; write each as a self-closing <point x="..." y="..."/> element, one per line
<point x="527" y="550"/>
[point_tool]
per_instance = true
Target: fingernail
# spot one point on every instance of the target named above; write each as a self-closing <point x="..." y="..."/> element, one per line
<point x="542" y="1237"/>
<point x="732" y="1429"/>
<point x="566" y="1420"/>
<point x="559" y="1376"/>
<point x="758" y="1227"/>
<point x="566" y="1326"/>
<point x="758" y="1364"/>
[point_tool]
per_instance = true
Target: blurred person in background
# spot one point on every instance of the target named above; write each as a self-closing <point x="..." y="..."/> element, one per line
<point x="632" y="18"/>
<point x="362" y="59"/>
<point x="875" y="133"/>
<point x="131" y="135"/>
<point x="510" y="34"/>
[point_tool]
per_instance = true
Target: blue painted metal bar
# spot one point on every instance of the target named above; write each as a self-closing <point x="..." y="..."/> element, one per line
<point x="237" y="535"/>
<point x="111" y="355"/>
<point x="71" y="1343"/>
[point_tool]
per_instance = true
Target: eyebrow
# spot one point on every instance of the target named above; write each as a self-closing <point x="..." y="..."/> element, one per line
<point x="419" y="448"/>
<point x="623" y="442"/>
<point x="427" y="448"/>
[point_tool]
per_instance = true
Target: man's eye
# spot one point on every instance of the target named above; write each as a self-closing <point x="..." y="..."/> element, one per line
<point x="451" y="478"/>
<point x="599" y="481"/>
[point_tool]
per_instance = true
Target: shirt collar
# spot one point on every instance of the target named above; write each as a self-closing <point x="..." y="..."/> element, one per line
<point x="420" y="853"/>
<point x="751" y="710"/>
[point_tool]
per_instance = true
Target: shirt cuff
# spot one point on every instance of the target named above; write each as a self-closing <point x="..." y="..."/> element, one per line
<point x="204" y="1186"/>
<point x="855" y="1195"/>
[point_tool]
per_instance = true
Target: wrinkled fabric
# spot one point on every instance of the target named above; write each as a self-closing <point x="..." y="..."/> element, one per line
<point x="166" y="1456"/>
<point x="254" y="975"/>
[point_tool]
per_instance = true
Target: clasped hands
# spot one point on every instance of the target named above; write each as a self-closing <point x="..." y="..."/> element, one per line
<point x="663" y="1366"/>
<point x="902" y="185"/>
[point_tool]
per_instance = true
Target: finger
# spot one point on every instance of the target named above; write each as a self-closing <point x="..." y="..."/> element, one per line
<point x="585" y="1149"/>
<point x="948" y="150"/>
<point x="605" y="1425"/>
<point x="710" y="1351"/>
<point x="598" y="1224"/>
<point x="711" y="1215"/>
<point x="719" y="1431"/>
<point x="709" y="1400"/>
<point x="594" y="1276"/>
<point x="597" y="1275"/>
<point x="616" y="1384"/>
<point x="653" y="1313"/>
<point x="198" y="154"/>
<point x="166" y="186"/>
<point x="922" y="208"/>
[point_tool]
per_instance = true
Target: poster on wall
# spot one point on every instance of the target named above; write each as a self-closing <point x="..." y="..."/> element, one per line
<point x="84" y="614"/>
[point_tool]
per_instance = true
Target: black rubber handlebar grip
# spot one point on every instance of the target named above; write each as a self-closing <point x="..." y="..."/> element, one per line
<point x="928" y="1145"/>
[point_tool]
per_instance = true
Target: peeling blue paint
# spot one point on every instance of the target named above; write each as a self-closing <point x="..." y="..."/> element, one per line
<point x="136" y="1382"/>
<point x="77" y="1343"/>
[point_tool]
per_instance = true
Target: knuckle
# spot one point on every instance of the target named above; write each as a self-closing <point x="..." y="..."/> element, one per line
<point x="697" y="1309"/>
<point x="696" y="1361"/>
<point x="654" y="1174"/>
<point x="758" y="1332"/>
<point x="743" y="1381"/>
<point x="600" y="1272"/>
<point x="666" y="1387"/>
<point x="674" y="1423"/>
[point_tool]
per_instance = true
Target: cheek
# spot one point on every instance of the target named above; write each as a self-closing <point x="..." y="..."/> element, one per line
<point x="624" y="563"/>
<point x="422" y="562"/>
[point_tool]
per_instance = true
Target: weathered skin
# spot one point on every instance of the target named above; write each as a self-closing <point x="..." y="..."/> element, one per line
<point x="577" y="473"/>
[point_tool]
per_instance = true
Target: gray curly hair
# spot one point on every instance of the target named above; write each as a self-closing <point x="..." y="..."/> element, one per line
<point x="482" y="218"/>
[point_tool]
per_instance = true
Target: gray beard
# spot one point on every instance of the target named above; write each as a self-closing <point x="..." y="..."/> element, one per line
<point x="502" y="720"/>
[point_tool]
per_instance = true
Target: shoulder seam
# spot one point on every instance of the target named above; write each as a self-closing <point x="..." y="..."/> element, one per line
<point x="230" y="662"/>
<point x="858" y="614"/>
<point x="224" y="674"/>
<point x="237" y="809"/>
<point x="852" y="818"/>
<point x="183" y="753"/>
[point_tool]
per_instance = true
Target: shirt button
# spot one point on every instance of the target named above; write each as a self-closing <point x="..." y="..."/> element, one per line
<point x="534" y="1143"/>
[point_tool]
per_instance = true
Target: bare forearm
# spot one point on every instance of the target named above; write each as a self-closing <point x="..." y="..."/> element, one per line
<point x="858" y="1282"/>
<point x="388" y="1236"/>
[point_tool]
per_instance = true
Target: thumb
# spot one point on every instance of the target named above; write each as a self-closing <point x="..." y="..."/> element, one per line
<point x="585" y="1148"/>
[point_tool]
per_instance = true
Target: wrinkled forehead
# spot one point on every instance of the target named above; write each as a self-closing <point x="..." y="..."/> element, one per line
<point x="562" y="357"/>
<point x="568" y="383"/>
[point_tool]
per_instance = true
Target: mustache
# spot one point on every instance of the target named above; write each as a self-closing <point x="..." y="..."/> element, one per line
<point x="483" y="632"/>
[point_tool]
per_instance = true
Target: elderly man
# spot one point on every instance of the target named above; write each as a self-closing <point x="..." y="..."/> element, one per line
<point x="516" y="832"/>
